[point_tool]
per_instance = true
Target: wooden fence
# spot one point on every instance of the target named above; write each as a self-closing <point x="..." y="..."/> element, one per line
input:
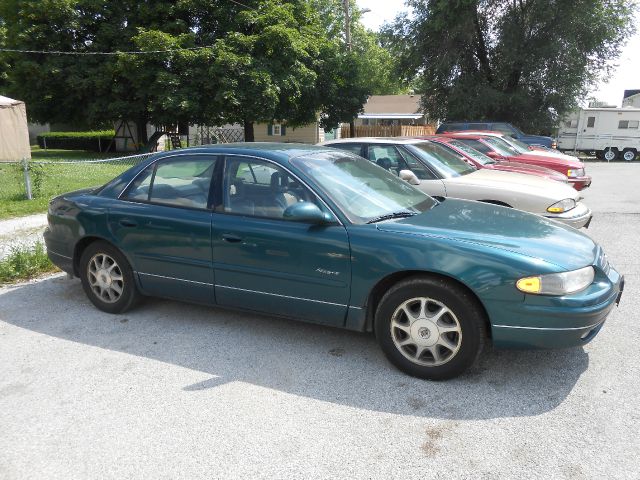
<point x="390" y="130"/>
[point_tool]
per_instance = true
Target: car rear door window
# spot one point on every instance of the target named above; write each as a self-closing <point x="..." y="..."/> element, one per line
<point x="349" y="147"/>
<point x="478" y="126"/>
<point x="258" y="188"/>
<point x="179" y="182"/>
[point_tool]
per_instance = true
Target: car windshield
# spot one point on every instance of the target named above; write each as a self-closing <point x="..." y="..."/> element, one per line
<point x="442" y="159"/>
<point x="500" y="146"/>
<point x="521" y="147"/>
<point x="363" y="191"/>
<point x="471" y="152"/>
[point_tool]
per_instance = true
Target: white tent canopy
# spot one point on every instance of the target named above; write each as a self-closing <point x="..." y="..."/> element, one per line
<point x="14" y="132"/>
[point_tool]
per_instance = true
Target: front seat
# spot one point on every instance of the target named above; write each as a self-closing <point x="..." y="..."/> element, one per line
<point x="384" y="162"/>
<point x="279" y="186"/>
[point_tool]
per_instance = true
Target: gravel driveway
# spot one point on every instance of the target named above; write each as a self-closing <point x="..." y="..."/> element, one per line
<point x="20" y="232"/>
<point x="179" y="391"/>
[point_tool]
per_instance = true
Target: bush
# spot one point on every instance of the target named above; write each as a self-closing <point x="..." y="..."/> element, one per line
<point x="24" y="263"/>
<point x="94" y="141"/>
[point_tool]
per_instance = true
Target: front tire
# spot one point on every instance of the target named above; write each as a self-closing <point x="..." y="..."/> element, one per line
<point x="107" y="278"/>
<point x="610" y="154"/>
<point x="430" y="327"/>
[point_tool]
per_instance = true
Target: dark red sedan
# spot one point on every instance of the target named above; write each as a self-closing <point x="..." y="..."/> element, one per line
<point x="495" y="147"/>
<point x="480" y="160"/>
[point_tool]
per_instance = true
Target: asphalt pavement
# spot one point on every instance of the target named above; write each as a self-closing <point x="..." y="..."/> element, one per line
<point x="172" y="390"/>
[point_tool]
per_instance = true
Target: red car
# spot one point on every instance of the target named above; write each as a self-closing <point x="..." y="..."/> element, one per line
<point x="496" y="148"/>
<point x="480" y="160"/>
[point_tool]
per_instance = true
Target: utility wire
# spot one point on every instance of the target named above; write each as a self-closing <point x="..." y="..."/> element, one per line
<point x="138" y="52"/>
<point x="243" y="5"/>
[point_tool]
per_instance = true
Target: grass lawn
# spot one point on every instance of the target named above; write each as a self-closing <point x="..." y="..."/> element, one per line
<point x="52" y="154"/>
<point x="51" y="180"/>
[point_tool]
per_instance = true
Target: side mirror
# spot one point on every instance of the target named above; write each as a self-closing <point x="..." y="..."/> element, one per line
<point x="306" y="212"/>
<point x="409" y="177"/>
<point x="494" y="155"/>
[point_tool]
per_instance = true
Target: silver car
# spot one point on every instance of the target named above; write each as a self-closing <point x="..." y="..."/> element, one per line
<point x="441" y="172"/>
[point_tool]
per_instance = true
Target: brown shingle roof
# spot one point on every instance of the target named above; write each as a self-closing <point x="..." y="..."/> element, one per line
<point x="398" y="104"/>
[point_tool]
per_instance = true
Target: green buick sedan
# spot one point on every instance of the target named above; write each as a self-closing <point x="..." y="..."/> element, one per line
<point x="324" y="236"/>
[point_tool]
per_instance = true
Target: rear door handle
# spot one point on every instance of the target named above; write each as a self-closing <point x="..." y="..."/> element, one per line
<point x="227" y="237"/>
<point x="125" y="222"/>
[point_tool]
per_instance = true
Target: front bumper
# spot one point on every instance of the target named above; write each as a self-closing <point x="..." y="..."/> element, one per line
<point x="559" y="322"/>
<point x="577" y="217"/>
<point x="580" y="183"/>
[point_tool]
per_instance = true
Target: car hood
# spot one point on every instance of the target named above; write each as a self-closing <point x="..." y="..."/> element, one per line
<point x="500" y="227"/>
<point x="548" y="160"/>
<point x="551" y="153"/>
<point x="515" y="182"/>
<point x="529" y="168"/>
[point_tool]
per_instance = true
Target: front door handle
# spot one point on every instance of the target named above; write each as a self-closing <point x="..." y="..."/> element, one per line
<point x="125" y="222"/>
<point x="228" y="237"/>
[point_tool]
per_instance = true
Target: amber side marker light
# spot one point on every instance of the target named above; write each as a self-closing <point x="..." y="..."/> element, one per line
<point x="529" y="285"/>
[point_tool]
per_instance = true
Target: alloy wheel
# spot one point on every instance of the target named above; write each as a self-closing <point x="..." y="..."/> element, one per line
<point x="426" y="331"/>
<point x="105" y="278"/>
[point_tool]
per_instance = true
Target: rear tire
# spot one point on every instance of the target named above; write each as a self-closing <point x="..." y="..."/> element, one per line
<point x="430" y="327"/>
<point x="107" y="278"/>
<point x="629" y="154"/>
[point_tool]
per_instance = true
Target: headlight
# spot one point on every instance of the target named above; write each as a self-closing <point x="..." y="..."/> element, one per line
<point x="562" y="206"/>
<point x="557" y="283"/>
<point x="575" y="172"/>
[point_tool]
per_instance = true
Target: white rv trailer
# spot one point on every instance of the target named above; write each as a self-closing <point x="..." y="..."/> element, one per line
<point x="610" y="132"/>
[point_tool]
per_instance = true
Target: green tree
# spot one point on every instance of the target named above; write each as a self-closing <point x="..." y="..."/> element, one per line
<point x="203" y="61"/>
<point x="523" y="61"/>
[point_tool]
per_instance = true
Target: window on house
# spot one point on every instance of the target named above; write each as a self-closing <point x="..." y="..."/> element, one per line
<point x="571" y="123"/>
<point x="276" y="130"/>
<point x="628" y="124"/>
<point x="591" y="121"/>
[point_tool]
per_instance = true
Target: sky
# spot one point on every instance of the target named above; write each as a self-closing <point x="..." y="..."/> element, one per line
<point x="624" y="75"/>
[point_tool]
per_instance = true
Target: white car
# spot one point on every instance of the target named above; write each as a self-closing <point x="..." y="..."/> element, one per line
<point x="440" y="172"/>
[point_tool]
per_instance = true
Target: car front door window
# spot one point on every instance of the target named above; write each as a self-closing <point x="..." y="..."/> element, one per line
<point x="260" y="189"/>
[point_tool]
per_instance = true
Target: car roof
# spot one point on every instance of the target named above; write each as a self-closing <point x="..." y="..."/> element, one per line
<point x="391" y="140"/>
<point x="471" y="136"/>
<point x="270" y="150"/>
<point x="487" y="133"/>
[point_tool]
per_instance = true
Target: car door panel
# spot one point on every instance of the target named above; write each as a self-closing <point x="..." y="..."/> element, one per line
<point x="273" y="265"/>
<point x="170" y="248"/>
<point x="280" y="267"/>
<point x="168" y="244"/>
